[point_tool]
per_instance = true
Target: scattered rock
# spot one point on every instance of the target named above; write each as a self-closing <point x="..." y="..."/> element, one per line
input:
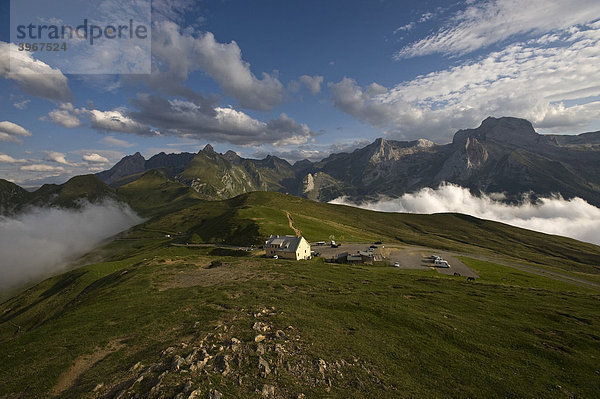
<point x="322" y="366"/>
<point x="260" y="349"/>
<point x="260" y="326"/>
<point x="195" y="394"/>
<point x="168" y="351"/>
<point x="98" y="387"/>
<point x="235" y="344"/>
<point x="279" y="334"/>
<point x="268" y="391"/>
<point x="222" y="364"/>
<point x="264" y="367"/>
<point x="136" y="366"/>
<point x="187" y="387"/>
<point x="259" y="338"/>
<point x="191" y="356"/>
<point x="214" y="394"/>
<point x="178" y="361"/>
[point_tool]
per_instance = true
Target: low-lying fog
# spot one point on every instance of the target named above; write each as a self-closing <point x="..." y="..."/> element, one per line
<point x="573" y="218"/>
<point x="40" y="242"/>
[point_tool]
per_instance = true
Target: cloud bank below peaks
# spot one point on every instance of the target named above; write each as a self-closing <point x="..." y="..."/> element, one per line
<point x="573" y="218"/>
<point x="39" y="243"/>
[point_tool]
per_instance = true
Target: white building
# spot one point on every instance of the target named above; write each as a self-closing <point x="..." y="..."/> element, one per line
<point x="288" y="247"/>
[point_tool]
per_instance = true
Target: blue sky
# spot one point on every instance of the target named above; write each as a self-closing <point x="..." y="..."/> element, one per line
<point x="302" y="79"/>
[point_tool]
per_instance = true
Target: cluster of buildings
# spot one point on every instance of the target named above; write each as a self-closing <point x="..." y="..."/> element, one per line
<point x="297" y="248"/>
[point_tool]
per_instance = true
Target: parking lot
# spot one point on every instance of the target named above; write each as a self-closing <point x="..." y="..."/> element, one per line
<point x="327" y="252"/>
<point x="408" y="257"/>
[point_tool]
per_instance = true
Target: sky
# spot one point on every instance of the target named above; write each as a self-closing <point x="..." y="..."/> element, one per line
<point x="296" y="79"/>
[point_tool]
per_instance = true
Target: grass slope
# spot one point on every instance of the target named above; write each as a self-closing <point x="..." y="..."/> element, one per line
<point x="346" y="331"/>
<point x="251" y="218"/>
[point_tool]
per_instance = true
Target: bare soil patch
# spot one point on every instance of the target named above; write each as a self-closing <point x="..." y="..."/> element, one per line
<point x="84" y="363"/>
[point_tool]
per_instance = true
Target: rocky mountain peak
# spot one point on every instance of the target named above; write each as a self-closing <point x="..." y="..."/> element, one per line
<point x="208" y="149"/>
<point x="505" y="130"/>
<point x="232" y="156"/>
<point x="386" y="150"/>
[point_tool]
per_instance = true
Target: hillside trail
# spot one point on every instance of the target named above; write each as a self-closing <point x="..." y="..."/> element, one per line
<point x="291" y="221"/>
<point x="84" y="363"/>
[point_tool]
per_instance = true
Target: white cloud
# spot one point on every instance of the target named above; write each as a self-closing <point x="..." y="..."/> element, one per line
<point x="115" y="142"/>
<point x="21" y="104"/>
<point x="183" y="51"/>
<point x="405" y="28"/>
<point x="529" y="80"/>
<point x="58" y="157"/>
<point x="4" y="158"/>
<point x="66" y="116"/>
<point x="10" y="131"/>
<point x="116" y="121"/>
<point x="484" y="23"/>
<point x="312" y="82"/>
<point x="58" y="236"/>
<point x="42" y="168"/>
<point x="95" y="158"/>
<point x="573" y="218"/>
<point x="33" y="76"/>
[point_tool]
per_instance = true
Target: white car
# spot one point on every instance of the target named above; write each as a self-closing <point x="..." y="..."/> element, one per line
<point x="396" y="264"/>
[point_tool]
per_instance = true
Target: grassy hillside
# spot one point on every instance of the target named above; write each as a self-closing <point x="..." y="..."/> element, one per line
<point x="11" y="196"/>
<point x="157" y="320"/>
<point x="67" y="195"/>
<point x="251" y="218"/>
<point x="155" y="193"/>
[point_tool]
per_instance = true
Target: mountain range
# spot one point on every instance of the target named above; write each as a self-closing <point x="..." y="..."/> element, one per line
<point x="502" y="155"/>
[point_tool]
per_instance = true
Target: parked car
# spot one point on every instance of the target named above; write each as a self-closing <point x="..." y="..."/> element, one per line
<point x="396" y="264"/>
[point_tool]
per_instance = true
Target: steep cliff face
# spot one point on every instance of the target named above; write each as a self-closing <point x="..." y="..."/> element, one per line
<point x="502" y="154"/>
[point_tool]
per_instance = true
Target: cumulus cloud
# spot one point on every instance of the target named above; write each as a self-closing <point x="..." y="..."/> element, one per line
<point x="41" y="242"/>
<point x="484" y="23"/>
<point x="313" y="83"/>
<point x="116" y="121"/>
<point x="549" y="81"/>
<point x="10" y="131"/>
<point x="95" y="158"/>
<point x="573" y="218"/>
<point x="33" y="76"/>
<point x="58" y="157"/>
<point x="4" y="158"/>
<point x="66" y="115"/>
<point x="181" y="52"/>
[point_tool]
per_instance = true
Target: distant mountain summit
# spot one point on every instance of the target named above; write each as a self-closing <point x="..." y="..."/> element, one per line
<point x="501" y="155"/>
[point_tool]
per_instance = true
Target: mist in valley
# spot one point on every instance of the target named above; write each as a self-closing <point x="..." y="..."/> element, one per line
<point x="573" y="218"/>
<point x="40" y="242"/>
